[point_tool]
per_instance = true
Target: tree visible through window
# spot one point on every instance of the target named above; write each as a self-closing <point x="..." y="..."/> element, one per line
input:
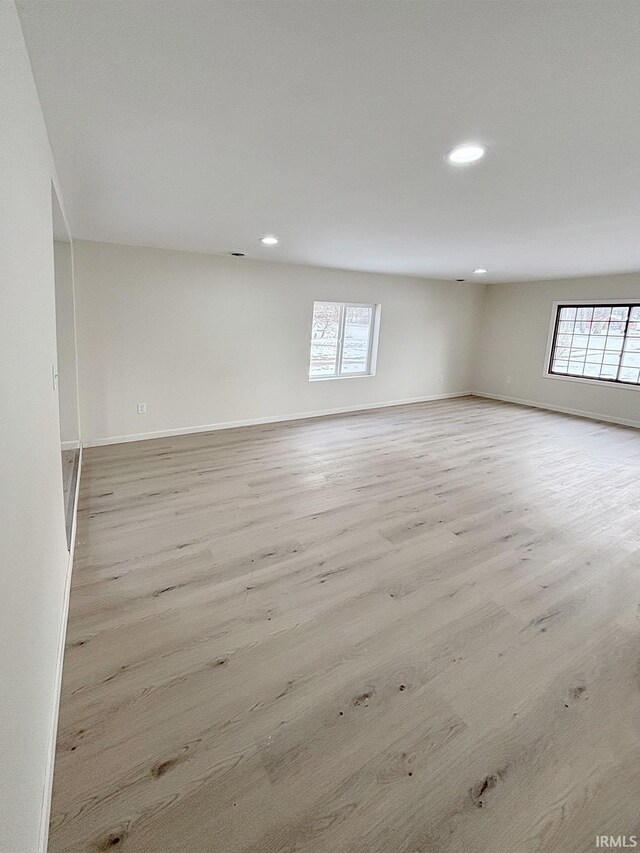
<point x="341" y="339"/>
<point x="597" y="342"/>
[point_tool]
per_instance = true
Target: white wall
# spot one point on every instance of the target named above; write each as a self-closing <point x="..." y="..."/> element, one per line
<point x="204" y="339"/>
<point x="513" y="342"/>
<point x="66" y="344"/>
<point x="33" y="552"/>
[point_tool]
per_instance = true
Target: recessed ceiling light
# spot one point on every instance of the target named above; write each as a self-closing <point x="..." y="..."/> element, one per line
<point x="269" y="240"/>
<point x="470" y="152"/>
<point x="480" y="271"/>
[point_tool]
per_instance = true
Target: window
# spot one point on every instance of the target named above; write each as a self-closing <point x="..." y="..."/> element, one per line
<point x="342" y="340"/>
<point x="600" y="342"/>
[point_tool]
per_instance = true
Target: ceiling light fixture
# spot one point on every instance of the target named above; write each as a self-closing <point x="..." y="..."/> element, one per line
<point x="470" y="152"/>
<point x="480" y="271"/>
<point x="269" y="240"/>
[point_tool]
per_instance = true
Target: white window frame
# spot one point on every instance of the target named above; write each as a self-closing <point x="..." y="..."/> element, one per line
<point x="552" y="328"/>
<point x="372" y="352"/>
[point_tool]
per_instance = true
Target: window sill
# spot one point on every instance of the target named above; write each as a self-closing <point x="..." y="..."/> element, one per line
<point x="586" y="381"/>
<point x="346" y="376"/>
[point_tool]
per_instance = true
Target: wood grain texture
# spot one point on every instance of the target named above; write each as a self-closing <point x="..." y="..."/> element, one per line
<point x="70" y="467"/>
<point x="413" y="629"/>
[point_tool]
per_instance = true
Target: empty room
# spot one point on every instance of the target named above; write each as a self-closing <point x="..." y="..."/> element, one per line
<point x="320" y="484"/>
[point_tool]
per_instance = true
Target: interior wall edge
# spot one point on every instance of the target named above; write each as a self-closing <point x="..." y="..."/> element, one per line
<point x="276" y="419"/>
<point x="564" y="410"/>
<point x="55" y="711"/>
<point x="36" y="562"/>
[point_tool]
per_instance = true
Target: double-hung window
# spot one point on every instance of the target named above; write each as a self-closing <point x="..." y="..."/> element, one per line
<point x="342" y="340"/>
<point x="599" y="342"/>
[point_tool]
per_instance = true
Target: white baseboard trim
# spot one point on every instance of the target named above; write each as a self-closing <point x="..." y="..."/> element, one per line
<point x="593" y="416"/>
<point x="62" y="636"/>
<point x="166" y="433"/>
<point x="70" y="445"/>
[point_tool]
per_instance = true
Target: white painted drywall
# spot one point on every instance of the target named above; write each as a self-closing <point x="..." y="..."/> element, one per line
<point x="66" y="339"/>
<point x="513" y="341"/>
<point x="205" y="339"/>
<point x="33" y="551"/>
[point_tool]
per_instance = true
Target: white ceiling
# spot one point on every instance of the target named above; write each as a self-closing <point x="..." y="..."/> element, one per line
<point x="201" y="125"/>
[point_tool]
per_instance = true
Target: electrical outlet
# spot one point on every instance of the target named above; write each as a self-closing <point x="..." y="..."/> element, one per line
<point x="142" y="408"/>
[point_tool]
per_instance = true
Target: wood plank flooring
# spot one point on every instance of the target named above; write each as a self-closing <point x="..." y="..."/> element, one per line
<point x="411" y="629"/>
<point x="70" y="466"/>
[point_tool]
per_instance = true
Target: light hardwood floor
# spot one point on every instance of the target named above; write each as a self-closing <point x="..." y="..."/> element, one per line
<point x="70" y="467"/>
<point x="412" y="629"/>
